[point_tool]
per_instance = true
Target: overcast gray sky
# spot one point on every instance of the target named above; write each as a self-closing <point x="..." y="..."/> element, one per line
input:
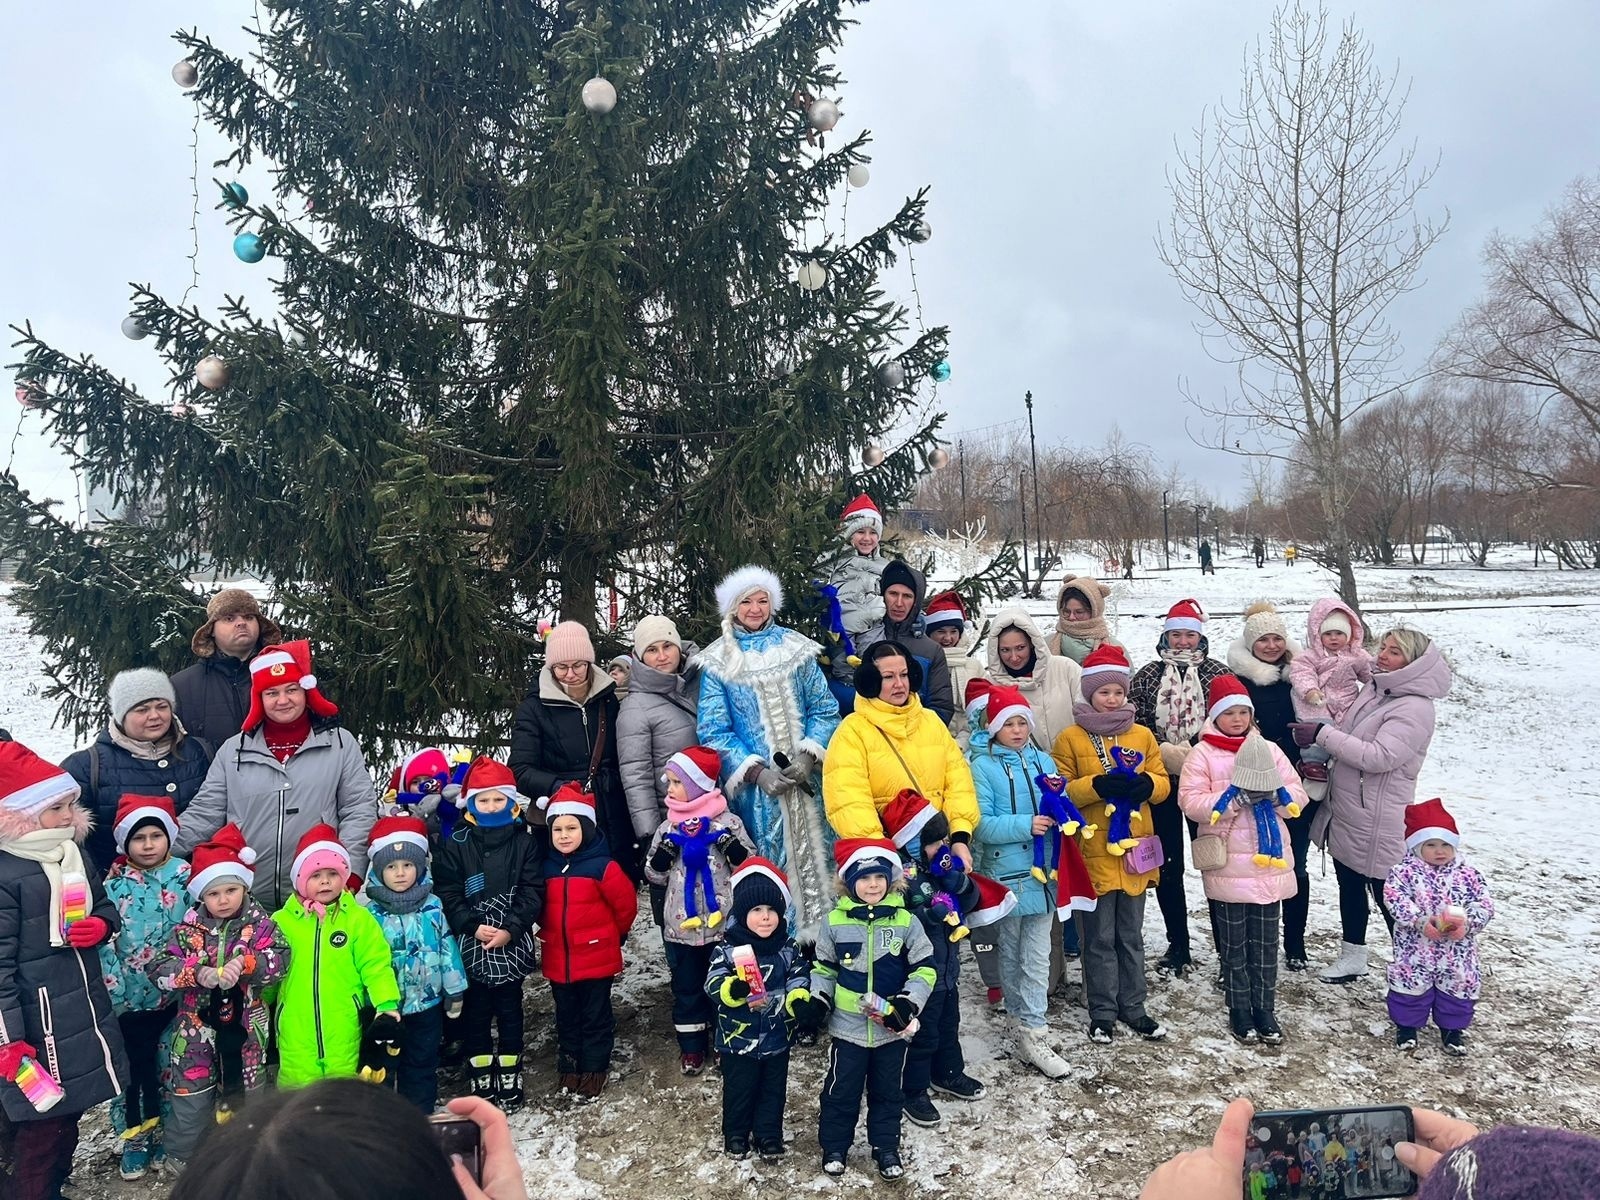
<point x="1043" y="126"/>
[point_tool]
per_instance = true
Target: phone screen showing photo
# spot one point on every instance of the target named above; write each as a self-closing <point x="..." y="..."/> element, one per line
<point x="1327" y="1154"/>
<point x="458" y="1135"/>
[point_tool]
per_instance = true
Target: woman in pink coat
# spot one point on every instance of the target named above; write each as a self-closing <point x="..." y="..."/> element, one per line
<point x="1246" y="892"/>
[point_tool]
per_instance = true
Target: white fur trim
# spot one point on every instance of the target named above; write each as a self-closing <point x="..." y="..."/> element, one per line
<point x="1431" y="832"/>
<point x="998" y="720"/>
<point x="857" y="521"/>
<point x="201" y="880"/>
<point x="264" y="662"/>
<point x="914" y="826"/>
<point x="248" y="857"/>
<point x="737" y="778"/>
<point x="569" y="808"/>
<point x="124" y="827"/>
<point x="810" y="747"/>
<point x="694" y="774"/>
<point x="867" y="854"/>
<point x="299" y="859"/>
<point x="1076" y="904"/>
<point x="1234" y="700"/>
<point x="741" y="581"/>
<point x="408" y="836"/>
<point x="980" y="917"/>
<point x="309" y="682"/>
<point x="1184" y="623"/>
<point x="38" y="796"/>
<point x="761" y="869"/>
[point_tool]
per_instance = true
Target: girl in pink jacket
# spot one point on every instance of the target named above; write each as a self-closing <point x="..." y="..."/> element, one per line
<point x="1246" y="893"/>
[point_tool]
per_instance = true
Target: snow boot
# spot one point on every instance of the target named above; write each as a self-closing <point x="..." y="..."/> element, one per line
<point x="1101" y="1031"/>
<point x="1240" y="1025"/>
<point x="1454" y="1042"/>
<point x="1348" y="967"/>
<point x="1405" y="1039"/>
<point x="889" y="1164"/>
<point x="1267" y="1026"/>
<point x="135" y="1156"/>
<point x="508" y="1083"/>
<point x="920" y="1110"/>
<point x="1035" y="1050"/>
<point x="480" y="1068"/>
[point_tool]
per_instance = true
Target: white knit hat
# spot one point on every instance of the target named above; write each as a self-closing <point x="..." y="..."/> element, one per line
<point x="652" y="629"/>
<point x="129" y="689"/>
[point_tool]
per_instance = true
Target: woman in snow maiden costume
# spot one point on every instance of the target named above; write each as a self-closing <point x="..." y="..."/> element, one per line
<point x="691" y="857"/>
<point x="762" y="695"/>
<point x="216" y="964"/>
<point x="1440" y="906"/>
<point x="56" y="1026"/>
<point x="1378" y="748"/>
<point x="147" y="885"/>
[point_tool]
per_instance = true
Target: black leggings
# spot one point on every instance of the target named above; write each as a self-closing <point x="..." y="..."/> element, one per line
<point x="141" y="1033"/>
<point x="1354" y="911"/>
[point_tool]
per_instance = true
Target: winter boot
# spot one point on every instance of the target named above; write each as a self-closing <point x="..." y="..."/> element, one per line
<point x="889" y="1164"/>
<point x="591" y="1084"/>
<point x="1036" y="1051"/>
<point x="158" y="1149"/>
<point x="508" y="1082"/>
<point x="1348" y="967"/>
<point x="1405" y="1039"/>
<point x="1240" y="1025"/>
<point x="480" y="1069"/>
<point x="1454" y="1042"/>
<point x="135" y="1155"/>
<point x="1267" y="1026"/>
<point x="691" y="1063"/>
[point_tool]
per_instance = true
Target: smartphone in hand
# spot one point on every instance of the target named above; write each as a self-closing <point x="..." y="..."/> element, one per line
<point x="1327" y="1154"/>
<point x="460" y="1135"/>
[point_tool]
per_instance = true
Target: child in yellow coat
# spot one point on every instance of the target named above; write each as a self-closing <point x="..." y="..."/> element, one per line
<point x="1112" y="935"/>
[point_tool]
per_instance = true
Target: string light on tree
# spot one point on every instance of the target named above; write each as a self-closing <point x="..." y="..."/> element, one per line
<point x="822" y="115"/>
<point x="811" y="275"/>
<point x="872" y="455"/>
<point x="185" y="74"/>
<point x="212" y="373"/>
<point x="247" y="247"/>
<point x="134" y="329"/>
<point x="599" y="95"/>
<point x="858" y="175"/>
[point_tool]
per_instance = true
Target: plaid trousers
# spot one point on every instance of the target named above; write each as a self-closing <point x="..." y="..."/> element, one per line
<point x="1247" y="942"/>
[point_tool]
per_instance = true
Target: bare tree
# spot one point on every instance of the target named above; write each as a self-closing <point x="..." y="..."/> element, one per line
<point x="1539" y="323"/>
<point x="1293" y="229"/>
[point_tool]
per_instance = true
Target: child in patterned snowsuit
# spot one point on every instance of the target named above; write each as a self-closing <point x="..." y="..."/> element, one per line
<point x="225" y="951"/>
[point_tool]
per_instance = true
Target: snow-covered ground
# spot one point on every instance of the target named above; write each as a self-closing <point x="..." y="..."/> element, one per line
<point x="1515" y="758"/>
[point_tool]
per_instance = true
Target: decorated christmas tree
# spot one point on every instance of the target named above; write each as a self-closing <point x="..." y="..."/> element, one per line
<point x="552" y="312"/>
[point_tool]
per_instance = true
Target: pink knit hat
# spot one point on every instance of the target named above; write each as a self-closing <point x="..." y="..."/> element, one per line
<point x="568" y="642"/>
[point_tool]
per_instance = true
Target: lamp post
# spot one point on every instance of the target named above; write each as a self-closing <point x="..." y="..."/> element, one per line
<point x="1033" y="455"/>
<point x="1022" y="503"/>
<point x="1198" y="509"/>
<point x="1166" y="536"/>
<point x="961" y="462"/>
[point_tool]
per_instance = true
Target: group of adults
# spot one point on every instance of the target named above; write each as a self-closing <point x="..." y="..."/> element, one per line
<point x="246" y="735"/>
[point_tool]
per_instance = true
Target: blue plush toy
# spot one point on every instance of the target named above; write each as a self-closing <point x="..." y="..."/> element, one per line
<point x="695" y="839"/>
<point x="833" y="627"/>
<point x="1122" y="813"/>
<point x="1269" y="834"/>
<point x="1053" y="803"/>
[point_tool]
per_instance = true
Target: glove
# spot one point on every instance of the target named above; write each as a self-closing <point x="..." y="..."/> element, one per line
<point x="731" y="848"/>
<point x="11" y="1056"/>
<point x="774" y="783"/>
<point x="1141" y="787"/>
<point x="800" y="766"/>
<point x="228" y="977"/>
<point x="1305" y="732"/>
<point x="736" y="989"/>
<point x="901" y="1013"/>
<point x="811" y="1012"/>
<point x="1111" y="787"/>
<point x="666" y="854"/>
<point x="208" y="976"/>
<point x="380" y="1046"/>
<point x="88" y="933"/>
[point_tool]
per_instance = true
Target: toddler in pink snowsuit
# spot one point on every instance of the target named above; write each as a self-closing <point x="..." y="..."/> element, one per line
<point x="1440" y="905"/>
<point x="1326" y="677"/>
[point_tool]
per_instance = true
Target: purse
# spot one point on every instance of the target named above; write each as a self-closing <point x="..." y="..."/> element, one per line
<point x="1209" y="852"/>
<point x="1145" y="855"/>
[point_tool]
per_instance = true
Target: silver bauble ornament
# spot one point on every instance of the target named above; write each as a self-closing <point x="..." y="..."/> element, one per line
<point x="185" y="74"/>
<point x="212" y="373"/>
<point x="599" y="95"/>
<point x="134" y="329"/>
<point x="823" y="115"/>
<point x="858" y="175"/>
<point x="811" y="275"/>
<point x="872" y="455"/>
<point x="921" y="231"/>
<point x="939" y="459"/>
<point x="892" y="374"/>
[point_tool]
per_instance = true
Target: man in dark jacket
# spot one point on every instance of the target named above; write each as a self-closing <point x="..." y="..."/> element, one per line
<point x="903" y="588"/>
<point x="214" y="693"/>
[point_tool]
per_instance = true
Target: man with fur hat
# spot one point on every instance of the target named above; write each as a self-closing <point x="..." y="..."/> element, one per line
<point x="213" y="694"/>
<point x="903" y="587"/>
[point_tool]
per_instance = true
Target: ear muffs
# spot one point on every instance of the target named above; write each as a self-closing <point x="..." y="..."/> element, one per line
<point x="869" y="680"/>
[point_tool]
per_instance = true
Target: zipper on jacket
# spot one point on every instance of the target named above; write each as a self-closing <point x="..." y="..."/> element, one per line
<point x="316" y="990"/>
<point x="47" y="1022"/>
<point x="105" y="1046"/>
<point x="566" y="905"/>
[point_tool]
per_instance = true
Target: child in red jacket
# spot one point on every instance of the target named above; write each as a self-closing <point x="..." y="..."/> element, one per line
<point x="589" y="906"/>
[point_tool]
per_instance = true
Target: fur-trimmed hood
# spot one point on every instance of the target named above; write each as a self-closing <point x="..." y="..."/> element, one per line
<point x="1248" y="667"/>
<point x="14" y="824"/>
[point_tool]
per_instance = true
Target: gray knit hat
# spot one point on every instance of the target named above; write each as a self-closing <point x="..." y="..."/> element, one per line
<point x="1253" y="767"/>
<point x="653" y="629"/>
<point x="129" y="689"/>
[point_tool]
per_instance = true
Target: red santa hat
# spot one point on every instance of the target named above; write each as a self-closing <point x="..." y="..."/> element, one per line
<point x="1429" y="820"/>
<point x="134" y="810"/>
<point x="904" y="817"/>
<point x="318" y="850"/>
<point x="29" y="784"/>
<point x="995" y="900"/>
<point x="755" y="868"/>
<point x="1005" y="703"/>
<point x="977" y="699"/>
<point x="1226" y="692"/>
<point x="861" y="513"/>
<point x="420" y="774"/>
<point x="399" y="829"/>
<point x="275" y="666"/>
<point x="223" y="858"/>
<point x="1185" y="614"/>
<point x="945" y="608"/>
<point x="1102" y="665"/>
<point x="856" y="857"/>
<point x="489" y="775"/>
<point x="1074" y="889"/>
<point x="569" y="800"/>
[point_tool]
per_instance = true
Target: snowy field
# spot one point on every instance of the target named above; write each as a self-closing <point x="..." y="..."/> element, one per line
<point x="1516" y="761"/>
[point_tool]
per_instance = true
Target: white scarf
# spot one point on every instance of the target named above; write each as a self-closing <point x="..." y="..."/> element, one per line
<point x="57" y="854"/>
<point x="1180" y="705"/>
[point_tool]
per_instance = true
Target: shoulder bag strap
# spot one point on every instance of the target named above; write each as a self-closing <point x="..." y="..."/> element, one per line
<point x="598" y="752"/>
<point x="896" y="752"/>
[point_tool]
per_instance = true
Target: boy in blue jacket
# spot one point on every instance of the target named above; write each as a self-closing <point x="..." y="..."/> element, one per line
<point x="754" y="1032"/>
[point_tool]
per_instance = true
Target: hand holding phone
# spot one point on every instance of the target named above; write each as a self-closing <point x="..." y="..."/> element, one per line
<point x="1333" y="1152"/>
<point x="460" y="1137"/>
<point x="498" y="1174"/>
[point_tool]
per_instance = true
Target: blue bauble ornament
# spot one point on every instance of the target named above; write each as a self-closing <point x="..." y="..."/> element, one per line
<point x="234" y="195"/>
<point x="248" y="248"/>
<point x="941" y="370"/>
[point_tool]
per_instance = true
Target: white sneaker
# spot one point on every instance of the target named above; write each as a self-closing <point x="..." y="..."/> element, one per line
<point x="1348" y="967"/>
<point x="1035" y="1050"/>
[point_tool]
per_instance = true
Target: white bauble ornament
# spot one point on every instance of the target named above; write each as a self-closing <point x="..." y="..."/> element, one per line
<point x="212" y="373"/>
<point x="185" y="74"/>
<point x="858" y="175"/>
<point x="134" y="329"/>
<point x="823" y="115"/>
<point x="892" y="374"/>
<point x="872" y="455"/>
<point x="939" y="459"/>
<point x="811" y="276"/>
<point x="921" y="231"/>
<point x="599" y="95"/>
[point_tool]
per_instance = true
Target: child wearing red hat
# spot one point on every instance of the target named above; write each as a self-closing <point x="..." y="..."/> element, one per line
<point x="147" y="885"/>
<point x="690" y="860"/>
<point x="945" y="618"/>
<point x="216" y="964"/>
<point x="60" y="1048"/>
<point x="339" y="1002"/>
<point x="589" y="906"/>
<point x="860" y="565"/>
<point x="424" y="954"/>
<point x="489" y="884"/>
<point x="1440" y="906"/>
